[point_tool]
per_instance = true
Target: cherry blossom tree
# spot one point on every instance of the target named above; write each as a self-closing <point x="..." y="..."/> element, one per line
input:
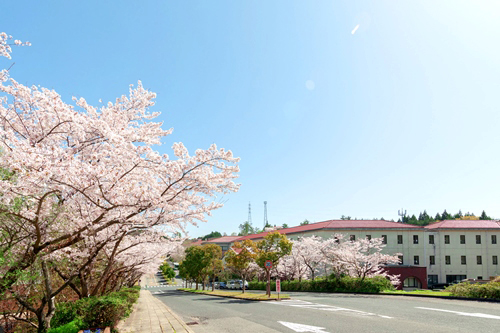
<point x="308" y="250"/>
<point x="78" y="170"/>
<point x="361" y="258"/>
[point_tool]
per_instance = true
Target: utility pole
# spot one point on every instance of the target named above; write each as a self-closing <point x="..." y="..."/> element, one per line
<point x="402" y="213"/>
<point x="265" y="213"/>
<point x="249" y="213"/>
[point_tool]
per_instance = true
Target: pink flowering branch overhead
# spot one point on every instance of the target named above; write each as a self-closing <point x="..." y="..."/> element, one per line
<point x="76" y="170"/>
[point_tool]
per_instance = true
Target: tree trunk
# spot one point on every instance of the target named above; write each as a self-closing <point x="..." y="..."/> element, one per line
<point x="49" y="298"/>
<point x="244" y="279"/>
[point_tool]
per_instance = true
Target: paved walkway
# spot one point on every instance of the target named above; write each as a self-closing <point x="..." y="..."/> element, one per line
<point x="150" y="315"/>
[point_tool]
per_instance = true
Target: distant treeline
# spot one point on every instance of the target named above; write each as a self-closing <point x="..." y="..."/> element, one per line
<point x="425" y="219"/>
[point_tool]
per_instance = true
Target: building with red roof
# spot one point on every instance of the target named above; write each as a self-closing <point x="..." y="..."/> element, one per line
<point x="445" y="251"/>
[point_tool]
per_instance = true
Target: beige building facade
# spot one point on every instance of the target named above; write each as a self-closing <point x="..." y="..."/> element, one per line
<point x="450" y="250"/>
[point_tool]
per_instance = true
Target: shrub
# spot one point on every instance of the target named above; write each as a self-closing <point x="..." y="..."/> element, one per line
<point x="343" y="284"/>
<point x="66" y="312"/>
<point x="465" y="289"/>
<point x="103" y="311"/>
<point x="96" y="312"/>
<point x="71" y="327"/>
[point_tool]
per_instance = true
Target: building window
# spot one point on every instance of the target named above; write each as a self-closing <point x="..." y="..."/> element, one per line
<point x="415" y="239"/>
<point x="455" y="278"/>
<point x="337" y="240"/>
<point x="432" y="260"/>
<point x="384" y="239"/>
<point x="447" y="239"/>
<point x="411" y="282"/>
<point x="432" y="279"/>
<point x="400" y="260"/>
<point x="224" y="248"/>
<point x="463" y="260"/>
<point x="431" y="239"/>
<point x="478" y="239"/>
<point x="400" y="239"/>
<point x="369" y="237"/>
<point x="352" y="238"/>
<point x="479" y="277"/>
<point x="447" y="260"/>
<point x="493" y="239"/>
<point x="416" y="260"/>
<point x="479" y="260"/>
<point x="462" y="239"/>
<point x="495" y="260"/>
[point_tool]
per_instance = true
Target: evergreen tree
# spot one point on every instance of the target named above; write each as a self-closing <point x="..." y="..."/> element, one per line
<point x="305" y="222"/>
<point x="438" y="217"/>
<point x="446" y="215"/>
<point x="484" y="216"/>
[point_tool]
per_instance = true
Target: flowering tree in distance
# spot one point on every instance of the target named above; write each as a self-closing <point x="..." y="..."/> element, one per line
<point x="78" y="170"/>
<point x="241" y="259"/>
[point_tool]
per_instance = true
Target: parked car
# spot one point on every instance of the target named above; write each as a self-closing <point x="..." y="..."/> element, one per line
<point x="230" y="284"/>
<point x="241" y="284"/>
<point x="222" y="285"/>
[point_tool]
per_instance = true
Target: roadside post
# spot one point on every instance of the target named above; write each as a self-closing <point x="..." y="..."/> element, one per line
<point x="268" y="265"/>
<point x="278" y="287"/>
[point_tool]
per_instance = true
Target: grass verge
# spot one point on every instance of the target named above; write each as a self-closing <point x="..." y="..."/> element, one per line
<point x="237" y="294"/>
<point x="417" y="292"/>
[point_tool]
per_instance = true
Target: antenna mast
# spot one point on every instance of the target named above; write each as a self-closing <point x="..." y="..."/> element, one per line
<point x="265" y="213"/>
<point x="249" y="213"/>
<point x="402" y="213"/>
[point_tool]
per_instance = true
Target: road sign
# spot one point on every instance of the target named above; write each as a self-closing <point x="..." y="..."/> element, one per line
<point x="278" y="286"/>
<point x="269" y="264"/>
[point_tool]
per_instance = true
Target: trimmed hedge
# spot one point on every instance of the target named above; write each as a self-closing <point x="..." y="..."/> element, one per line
<point x="71" y="327"/>
<point x="465" y="289"/>
<point x="344" y="284"/>
<point x="95" y="312"/>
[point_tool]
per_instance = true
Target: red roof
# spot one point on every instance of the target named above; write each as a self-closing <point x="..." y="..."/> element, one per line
<point x="339" y="224"/>
<point x="223" y="239"/>
<point x="465" y="224"/>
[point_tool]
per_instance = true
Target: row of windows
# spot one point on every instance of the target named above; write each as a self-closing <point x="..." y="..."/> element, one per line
<point x="431" y="239"/>
<point x="447" y="260"/>
<point x="433" y="279"/>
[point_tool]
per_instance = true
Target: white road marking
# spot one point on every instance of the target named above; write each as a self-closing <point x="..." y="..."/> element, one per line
<point x="302" y="328"/>
<point x="324" y="307"/>
<point x="480" y="315"/>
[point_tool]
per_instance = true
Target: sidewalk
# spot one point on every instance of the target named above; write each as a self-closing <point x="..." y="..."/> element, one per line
<point x="150" y="315"/>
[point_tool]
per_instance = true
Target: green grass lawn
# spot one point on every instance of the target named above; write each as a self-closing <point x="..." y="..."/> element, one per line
<point x="418" y="292"/>
<point x="237" y="294"/>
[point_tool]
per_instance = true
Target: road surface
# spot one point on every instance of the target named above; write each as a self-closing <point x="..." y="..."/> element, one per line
<point x="322" y="313"/>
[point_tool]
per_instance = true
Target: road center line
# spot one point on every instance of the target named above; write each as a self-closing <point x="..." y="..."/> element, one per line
<point x="480" y="315"/>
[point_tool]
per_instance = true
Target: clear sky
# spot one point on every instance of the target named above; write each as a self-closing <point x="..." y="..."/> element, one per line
<point x="336" y="108"/>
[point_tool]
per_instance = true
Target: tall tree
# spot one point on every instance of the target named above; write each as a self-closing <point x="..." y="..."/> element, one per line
<point x="246" y="228"/>
<point x="484" y="216"/>
<point x="273" y="247"/>
<point x="241" y="259"/>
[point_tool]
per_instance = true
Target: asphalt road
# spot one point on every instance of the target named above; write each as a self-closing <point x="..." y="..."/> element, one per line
<point x="317" y="312"/>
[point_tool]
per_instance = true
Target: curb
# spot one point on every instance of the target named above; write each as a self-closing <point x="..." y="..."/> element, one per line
<point x="234" y="297"/>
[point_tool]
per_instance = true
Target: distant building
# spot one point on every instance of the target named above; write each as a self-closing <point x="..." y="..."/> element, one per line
<point x="442" y="252"/>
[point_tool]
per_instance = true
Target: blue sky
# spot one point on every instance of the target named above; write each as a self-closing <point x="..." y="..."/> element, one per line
<point x="401" y="114"/>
